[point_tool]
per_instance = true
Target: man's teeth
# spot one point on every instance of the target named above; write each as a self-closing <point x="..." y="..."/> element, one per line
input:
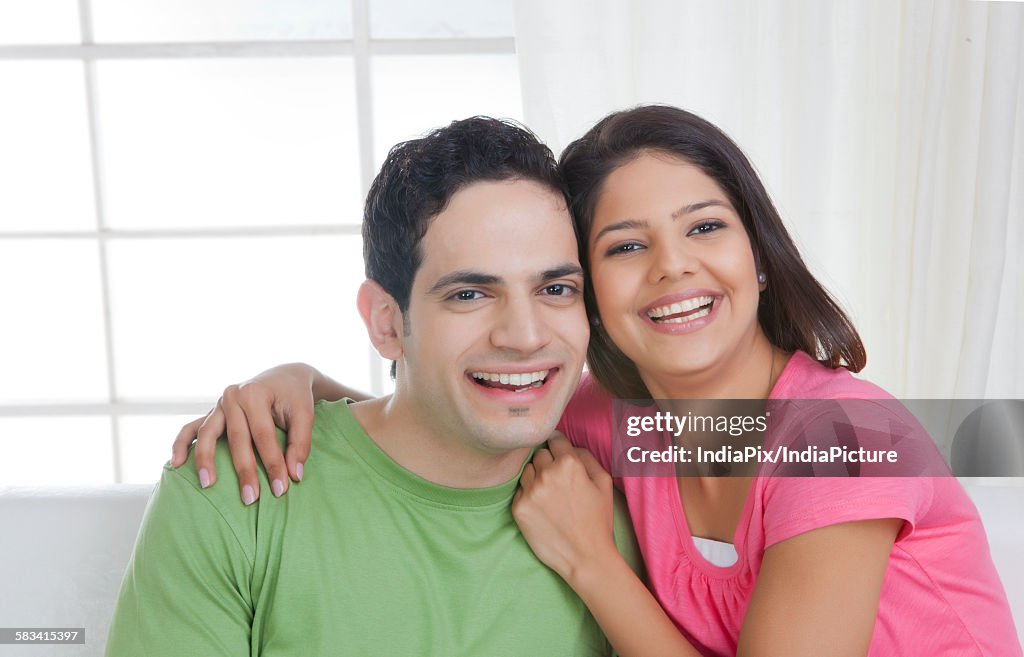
<point x="684" y="306"/>
<point x="524" y="379"/>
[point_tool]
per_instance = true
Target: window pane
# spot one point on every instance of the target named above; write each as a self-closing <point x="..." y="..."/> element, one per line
<point x="193" y="315"/>
<point x="51" y="336"/>
<point x="442" y="88"/>
<point x="39" y="21"/>
<point x="231" y="142"/>
<point x="414" y="19"/>
<point x="146" y="445"/>
<point x="44" y="157"/>
<point x="64" y="451"/>
<point x="220" y="20"/>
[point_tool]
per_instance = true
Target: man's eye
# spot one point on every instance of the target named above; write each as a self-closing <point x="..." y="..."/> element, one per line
<point x="560" y="290"/>
<point x="467" y="295"/>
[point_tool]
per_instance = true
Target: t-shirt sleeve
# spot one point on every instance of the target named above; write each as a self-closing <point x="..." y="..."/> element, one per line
<point x="796" y="505"/>
<point x="839" y="490"/>
<point x="186" y="589"/>
<point x="587" y="420"/>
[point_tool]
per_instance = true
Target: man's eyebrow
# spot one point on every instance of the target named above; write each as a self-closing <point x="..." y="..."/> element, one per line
<point x="464" y="277"/>
<point x="700" y="205"/>
<point x="561" y="271"/>
<point x="621" y="225"/>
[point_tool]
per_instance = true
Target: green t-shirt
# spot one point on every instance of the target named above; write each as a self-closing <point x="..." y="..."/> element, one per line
<point x="363" y="558"/>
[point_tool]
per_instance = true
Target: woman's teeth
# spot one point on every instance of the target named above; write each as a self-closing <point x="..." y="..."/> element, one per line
<point x="703" y="312"/>
<point x="686" y="310"/>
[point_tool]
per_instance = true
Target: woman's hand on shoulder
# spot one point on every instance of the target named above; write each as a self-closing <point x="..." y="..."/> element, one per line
<point x="564" y="508"/>
<point x="249" y="412"/>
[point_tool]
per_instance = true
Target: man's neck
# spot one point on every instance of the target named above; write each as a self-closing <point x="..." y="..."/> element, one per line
<point x="434" y="453"/>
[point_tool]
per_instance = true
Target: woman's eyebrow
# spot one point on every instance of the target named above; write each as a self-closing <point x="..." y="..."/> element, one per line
<point x="638" y="223"/>
<point x="700" y="205"/>
<point x="621" y="225"/>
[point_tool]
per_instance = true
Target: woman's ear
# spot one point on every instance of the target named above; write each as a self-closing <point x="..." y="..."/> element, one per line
<point x="383" y="319"/>
<point x="762" y="277"/>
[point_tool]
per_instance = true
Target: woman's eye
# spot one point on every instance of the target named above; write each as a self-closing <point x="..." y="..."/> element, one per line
<point x="467" y="295"/>
<point x="706" y="227"/>
<point x="626" y="247"/>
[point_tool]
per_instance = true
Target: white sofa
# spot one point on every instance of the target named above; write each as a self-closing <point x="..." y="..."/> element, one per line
<point x="63" y="552"/>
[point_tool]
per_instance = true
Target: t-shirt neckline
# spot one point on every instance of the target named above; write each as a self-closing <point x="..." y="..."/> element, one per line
<point x="795" y="362"/>
<point x="348" y="428"/>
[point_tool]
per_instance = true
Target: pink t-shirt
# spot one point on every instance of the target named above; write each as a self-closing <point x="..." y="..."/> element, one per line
<point x="941" y="594"/>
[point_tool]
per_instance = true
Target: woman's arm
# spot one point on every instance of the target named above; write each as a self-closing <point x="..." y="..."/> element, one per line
<point x="820" y="589"/>
<point x="817" y="589"/>
<point x="564" y="509"/>
<point x="282" y="396"/>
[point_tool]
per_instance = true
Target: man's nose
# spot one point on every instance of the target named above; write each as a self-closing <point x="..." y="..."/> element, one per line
<point x="521" y="325"/>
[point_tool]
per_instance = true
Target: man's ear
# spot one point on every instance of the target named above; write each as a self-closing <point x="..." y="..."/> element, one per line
<point x="383" y="319"/>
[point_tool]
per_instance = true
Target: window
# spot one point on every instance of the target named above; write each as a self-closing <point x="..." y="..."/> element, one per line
<point x="183" y="183"/>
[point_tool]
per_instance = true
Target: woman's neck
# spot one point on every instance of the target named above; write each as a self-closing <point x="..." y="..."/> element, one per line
<point x="750" y="372"/>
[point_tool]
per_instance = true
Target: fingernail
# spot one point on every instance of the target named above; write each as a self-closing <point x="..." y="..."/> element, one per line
<point x="248" y="495"/>
<point x="277" y="487"/>
<point x="298" y="471"/>
<point x="204" y="478"/>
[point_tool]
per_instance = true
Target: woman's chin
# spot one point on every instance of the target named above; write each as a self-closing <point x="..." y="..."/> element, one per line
<point x="669" y="374"/>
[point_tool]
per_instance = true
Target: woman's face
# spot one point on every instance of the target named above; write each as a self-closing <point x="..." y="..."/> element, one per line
<point x="673" y="270"/>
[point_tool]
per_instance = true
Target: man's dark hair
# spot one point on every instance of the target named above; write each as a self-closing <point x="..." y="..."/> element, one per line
<point x="420" y="177"/>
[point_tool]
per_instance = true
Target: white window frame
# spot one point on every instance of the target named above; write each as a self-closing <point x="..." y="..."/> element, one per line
<point x="361" y="47"/>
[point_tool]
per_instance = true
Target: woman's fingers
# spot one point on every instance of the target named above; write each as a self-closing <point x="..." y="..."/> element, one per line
<point x="247" y="415"/>
<point x="559" y="446"/>
<point x="594" y="469"/>
<point x="542" y="459"/>
<point x="570" y="461"/>
<point x="179" y="450"/>
<point x="528" y="476"/>
<point x="264" y="436"/>
<point x="206" y="444"/>
<point x="299" y="424"/>
<point x="240" y="445"/>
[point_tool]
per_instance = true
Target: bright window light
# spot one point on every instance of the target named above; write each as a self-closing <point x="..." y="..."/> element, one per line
<point x="184" y="196"/>
<point x="133" y="21"/>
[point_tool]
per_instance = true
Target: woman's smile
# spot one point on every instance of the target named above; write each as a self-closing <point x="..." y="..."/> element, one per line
<point x="674" y="273"/>
<point x="684" y="312"/>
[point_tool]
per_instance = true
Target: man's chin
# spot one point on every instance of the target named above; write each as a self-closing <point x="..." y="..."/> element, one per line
<point x="508" y="436"/>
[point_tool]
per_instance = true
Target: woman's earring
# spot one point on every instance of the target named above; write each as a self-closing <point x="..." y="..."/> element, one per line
<point x="761" y="278"/>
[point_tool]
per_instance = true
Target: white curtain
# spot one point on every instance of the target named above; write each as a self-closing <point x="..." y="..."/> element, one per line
<point x="890" y="134"/>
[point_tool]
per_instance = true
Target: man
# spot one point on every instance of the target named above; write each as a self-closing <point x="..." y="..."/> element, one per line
<point x="403" y="543"/>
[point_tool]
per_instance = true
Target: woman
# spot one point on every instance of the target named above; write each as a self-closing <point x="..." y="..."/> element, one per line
<point x="697" y="292"/>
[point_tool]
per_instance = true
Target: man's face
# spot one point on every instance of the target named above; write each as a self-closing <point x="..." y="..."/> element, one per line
<point x="497" y="327"/>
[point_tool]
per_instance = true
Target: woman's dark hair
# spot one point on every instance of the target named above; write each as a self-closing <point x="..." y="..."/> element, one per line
<point x="795" y="311"/>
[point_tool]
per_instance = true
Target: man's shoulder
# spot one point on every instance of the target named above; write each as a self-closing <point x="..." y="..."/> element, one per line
<point x="625" y="537"/>
<point x="181" y="496"/>
<point x="332" y="421"/>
